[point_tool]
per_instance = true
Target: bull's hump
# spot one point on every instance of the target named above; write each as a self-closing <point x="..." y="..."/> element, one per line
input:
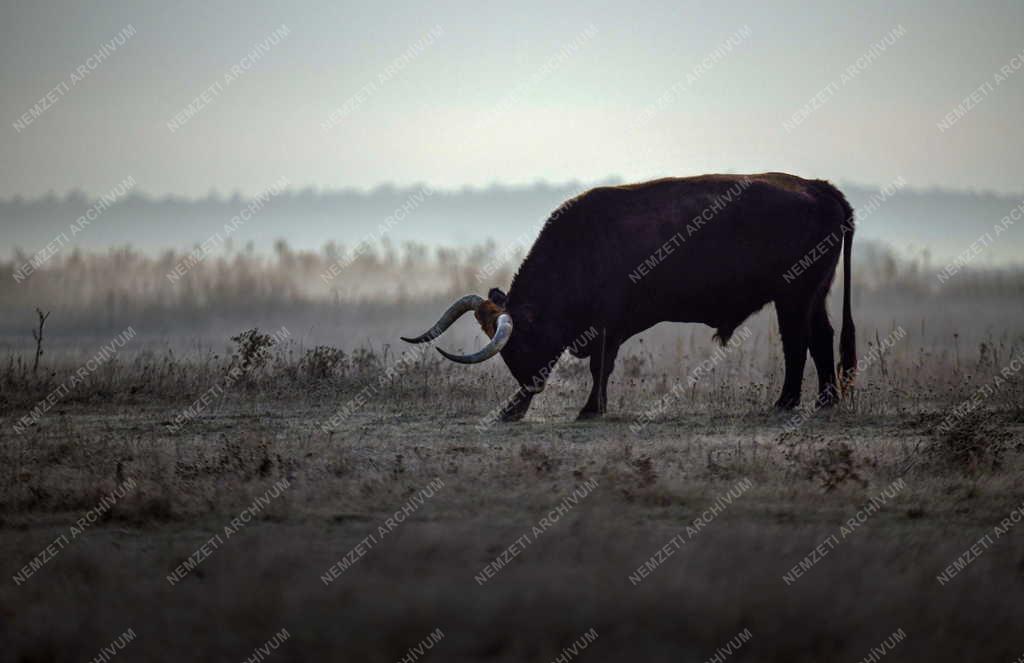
<point x="783" y="181"/>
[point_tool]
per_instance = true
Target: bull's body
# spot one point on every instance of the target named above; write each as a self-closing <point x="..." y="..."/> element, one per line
<point x="712" y="249"/>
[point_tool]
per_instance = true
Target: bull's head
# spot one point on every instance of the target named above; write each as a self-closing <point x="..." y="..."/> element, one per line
<point x="525" y="357"/>
<point x="491" y="315"/>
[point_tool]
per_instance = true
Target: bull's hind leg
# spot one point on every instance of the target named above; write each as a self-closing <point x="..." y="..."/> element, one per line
<point x="794" y="326"/>
<point x="602" y="362"/>
<point x="822" y="336"/>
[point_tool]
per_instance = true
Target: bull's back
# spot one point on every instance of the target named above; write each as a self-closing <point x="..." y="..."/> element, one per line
<point x="704" y="249"/>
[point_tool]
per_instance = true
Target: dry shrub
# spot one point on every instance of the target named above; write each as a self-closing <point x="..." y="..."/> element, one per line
<point x="536" y="456"/>
<point x="831" y="464"/>
<point x="322" y="362"/>
<point x="645" y="470"/>
<point x="251" y="351"/>
<point x="971" y="444"/>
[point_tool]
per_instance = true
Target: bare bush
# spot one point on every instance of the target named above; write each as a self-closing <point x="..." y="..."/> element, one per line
<point x="251" y="351"/>
<point x="322" y="362"/>
<point x="971" y="445"/>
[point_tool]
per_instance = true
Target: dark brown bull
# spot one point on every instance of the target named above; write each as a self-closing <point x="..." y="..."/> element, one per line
<point x="711" y="249"/>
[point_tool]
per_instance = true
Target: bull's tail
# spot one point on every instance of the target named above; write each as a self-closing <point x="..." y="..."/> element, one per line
<point x="847" y="365"/>
<point x="848" y="336"/>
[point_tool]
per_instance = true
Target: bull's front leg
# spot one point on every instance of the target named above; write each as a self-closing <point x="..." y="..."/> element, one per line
<point x="515" y="409"/>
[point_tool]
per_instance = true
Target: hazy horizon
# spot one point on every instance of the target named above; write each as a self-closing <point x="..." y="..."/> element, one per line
<point x="370" y="189"/>
<point x="912" y="222"/>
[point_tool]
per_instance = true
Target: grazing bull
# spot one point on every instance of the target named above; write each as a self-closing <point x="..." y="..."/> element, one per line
<point x="711" y="249"/>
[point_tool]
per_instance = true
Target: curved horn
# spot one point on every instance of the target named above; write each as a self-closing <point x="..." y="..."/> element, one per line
<point x="501" y="336"/>
<point x="455" y="311"/>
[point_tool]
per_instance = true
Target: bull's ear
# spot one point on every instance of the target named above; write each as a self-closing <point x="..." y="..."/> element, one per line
<point x="497" y="296"/>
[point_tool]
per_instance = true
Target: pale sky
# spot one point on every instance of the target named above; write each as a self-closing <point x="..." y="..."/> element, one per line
<point x="560" y="119"/>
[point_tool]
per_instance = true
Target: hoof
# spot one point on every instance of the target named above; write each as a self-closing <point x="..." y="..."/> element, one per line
<point x="584" y="415"/>
<point x="787" y="402"/>
<point x="512" y="416"/>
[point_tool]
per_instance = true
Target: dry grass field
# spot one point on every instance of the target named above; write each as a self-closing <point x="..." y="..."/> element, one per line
<point x="207" y="493"/>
